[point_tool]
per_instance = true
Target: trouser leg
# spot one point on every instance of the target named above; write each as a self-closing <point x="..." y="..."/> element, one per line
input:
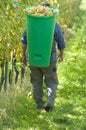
<point x="51" y="81"/>
<point x="36" y="78"/>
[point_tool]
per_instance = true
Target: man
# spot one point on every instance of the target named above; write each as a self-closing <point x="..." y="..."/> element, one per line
<point x="48" y="74"/>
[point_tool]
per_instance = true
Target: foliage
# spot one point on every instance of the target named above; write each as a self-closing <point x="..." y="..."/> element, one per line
<point x="12" y="19"/>
<point x="18" y="111"/>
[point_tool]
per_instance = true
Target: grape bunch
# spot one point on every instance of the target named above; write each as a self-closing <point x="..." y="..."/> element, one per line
<point x="40" y="11"/>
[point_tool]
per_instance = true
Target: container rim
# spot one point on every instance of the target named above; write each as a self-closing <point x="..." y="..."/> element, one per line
<point x="33" y="15"/>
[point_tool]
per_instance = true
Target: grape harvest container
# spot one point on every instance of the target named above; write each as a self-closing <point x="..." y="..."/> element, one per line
<point x="40" y="33"/>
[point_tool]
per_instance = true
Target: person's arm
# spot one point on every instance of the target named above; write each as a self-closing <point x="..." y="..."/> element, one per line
<point x="60" y="42"/>
<point x="60" y="56"/>
<point x="24" y="58"/>
<point x="24" y="48"/>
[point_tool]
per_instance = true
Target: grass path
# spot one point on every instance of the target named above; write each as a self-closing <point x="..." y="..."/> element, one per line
<point x="72" y="73"/>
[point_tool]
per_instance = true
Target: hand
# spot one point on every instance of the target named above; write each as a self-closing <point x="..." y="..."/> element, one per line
<point x="60" y="58"/>
<point x="24" y="60"/>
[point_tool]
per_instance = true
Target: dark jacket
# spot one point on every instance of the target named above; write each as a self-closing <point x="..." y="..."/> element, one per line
<point x="58" y="41"/>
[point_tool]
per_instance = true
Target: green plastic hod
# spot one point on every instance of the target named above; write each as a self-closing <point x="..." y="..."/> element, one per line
<point x="40" y="33"/>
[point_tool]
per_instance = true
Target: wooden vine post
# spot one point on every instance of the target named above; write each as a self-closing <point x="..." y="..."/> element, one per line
<point x="6" y="75"/>
<point x="2" y="75"/>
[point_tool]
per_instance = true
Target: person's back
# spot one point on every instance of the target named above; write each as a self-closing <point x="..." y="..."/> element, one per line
<point x="58" y="41"/>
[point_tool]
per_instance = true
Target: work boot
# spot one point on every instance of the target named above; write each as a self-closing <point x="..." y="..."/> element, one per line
<point x="48" y="108"/>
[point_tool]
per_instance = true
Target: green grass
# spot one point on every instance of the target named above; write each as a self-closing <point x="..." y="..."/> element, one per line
<point x="17" y="107"/>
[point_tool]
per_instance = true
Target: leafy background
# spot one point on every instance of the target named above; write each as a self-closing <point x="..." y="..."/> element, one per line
<point x="17" y="107"/>
<point x="12" y="19"/>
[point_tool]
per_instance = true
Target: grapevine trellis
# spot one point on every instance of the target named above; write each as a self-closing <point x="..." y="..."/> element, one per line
<point x="10" y="74"/>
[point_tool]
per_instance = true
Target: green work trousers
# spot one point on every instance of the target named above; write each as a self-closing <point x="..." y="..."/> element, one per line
<point x="40" y="75"/>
